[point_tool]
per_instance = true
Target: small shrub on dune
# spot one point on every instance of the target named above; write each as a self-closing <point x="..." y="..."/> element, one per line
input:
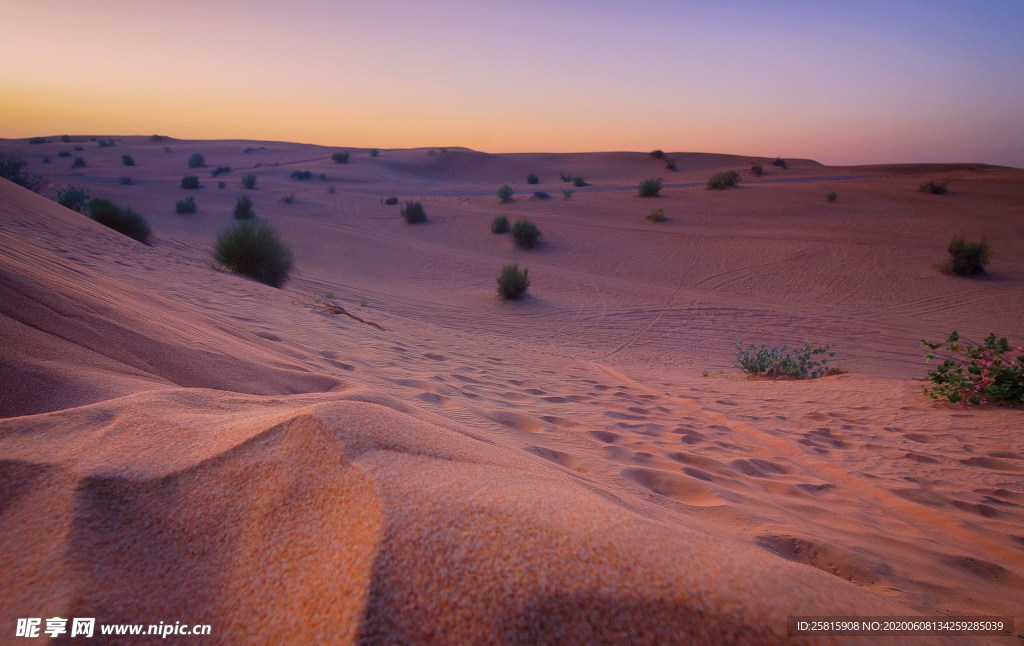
<point x="374" y="152"/>
<point x="777" y="362"/>
<point x="190" y="182"/>
<point x="38" y="140"/>
<point x="541" y="195"/>
<point x="532" y="179"/>
<point x="658" y="154"/>
<point x="66" y="139"/>
<point x="106" y="143"/>
<point x="935" y="188"/>
<point x="127" y="160"/>
<point x="243" y="209"/>
<point x="657" y="215"/>
<point x="221" y="184"/>
<point x="757" y="170"/>
<point x="253" y="249"/>
<point x="414" y="213"/>
<point x="126" y="181"/>
<point x="649" y="187"/>
<point x="391" y="201"/>
<point x="500" y="224"/>
<point x="302" y="175"/>
<point x="579" y="182"/>
<point x="968" y="258"/>
<point x="339" y="158"/>
<point x="196" y="161"/>
<point x="249" y="181"/>
<point x="504" y="194"/>
<point x="79" y="149"/>
<point x="526" y="234"/>
<point x="220" y="170"/>
<point x="670" y="165"/>
<point x="991" y="371"/>
<point x="779" y="162"/>
<point x="156" y="137"/>
<point x="187" y="205"/>
<point x="13" y="170"/>
<point x="63" y="153"/>
<point x="288" y="199"/>
<point x="78" y="163"/>
<point x="831" y="196"/>
<point x="73" y="197"/>
<point x="513" y="282"/>
<point x="723" y="180"/>
<point x="566" y="194"/>
<point x="120" y="219"/>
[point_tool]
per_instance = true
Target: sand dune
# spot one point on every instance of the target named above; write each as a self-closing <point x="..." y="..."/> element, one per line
<point x="183" y="444"/>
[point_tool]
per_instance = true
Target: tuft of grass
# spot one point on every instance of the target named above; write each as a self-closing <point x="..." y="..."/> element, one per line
<point x="106" y="143"/>
<point x="414" y="213"/>
<point x="63" y="153"/>
<point x="831" y="196"/>
<point x="249" y="181"/>
<point x="287" y="199"/>
<point x="671" y="165"/>
<point x="723" y="180"/>
<point x="657" y="215"/>
<point x="779" y="162"/>
<point x="541" y="195"/>
<point x="513" y="282"/>
<point x="504" y="194"/>
<point x="579" y="182"/>
<point x="532" y="179"/>
<point x="374" y="152"/>
<point x="75" y="198"/>
<point x="658" y="154"/>
<point x="566" y="194"/>
<point x="190" y="181"/>
<point x="500" y="224"/>
<point x="329" y="295"/>
<point x="340" y="158"/>
<point x="968" y="258"/>
<point x="127" y="160"/>
<point x="221" y="184"/>
<point x="187" y="205"/>
<point x="13" y="170"/>
<point x="66" y="139"/>
<point x="649" y="187"/>
<point x="757" y="170"/>
<point x="196" y="161"/>
<point x="78" y="163"/>
<point x="243" y="209"/>
<point x="38" y="140"/>
<point x="777" y="362"/>
<point x="119" y="218"/>
<point x="526" y="234"/>
<point x="220" y="170"/>
<point x="254" y="249"/>
<point x="935" y="188"/>
<point x="156" y="137"/>
<point x="126" y="181"/>
<point x="302" y="175"/>
<point x="391" y="201"/>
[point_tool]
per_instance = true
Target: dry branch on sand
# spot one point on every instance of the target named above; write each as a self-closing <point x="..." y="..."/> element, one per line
<point x="331" y="307"/>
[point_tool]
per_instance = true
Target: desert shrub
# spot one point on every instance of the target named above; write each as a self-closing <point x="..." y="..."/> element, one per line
<point x="374" y="152"/>
<point x="38" y="140"/>
<point x="196" y="161"/>
<point x="500" y="224"/>
<point x="526" y="234"/>
<point x="414" y="213"/>
<point x="78" y="163"/>
<point x="249" y="181"/>
<point x="780" y="162"/>
<point x="167" y="150"/>
<point x="658" y="154"/>
<point x="288" y="199"/>
<point x="513" y="282"/>
<point x="331" y="189"/>
<point x="127" y="160"/>
<point x="243" y="208"/>
<point x="968" y="258"/>
<point x="302" y="175"/>
<point x="339" y="158"/>
<point x="831" y="196"/>
<point x="649" y="187"/>
<point x="579" y="182"/>
<point x="125" y="181"/>
<point x="46" y="160"/>
<point x="532" y="179"/>
<point x="323" y="177"/>
<point x="190" y="181"/>
<point x="79" y="149"/>
<point x="391" y="201"/>
<point x="156" y="137"/>
<point x="119" y="218"/>
<point x="106" y="143"/>
<point x="670" y="165"/>
<point x="187" y="205"/>
<point x="541" y="195"/>
<point x="13" y="170"/>
<point x="65" y="138"/>
<point x="75" y="198"/>
<point x="724" y="180"/>
<point x="757" y="170"/>
<point x="220" y="170"/>
<point x="657" y="215"/>
<point x="504" y="194"/>
<point x="566" y="194"/>
<point x="992" y="371"/>
<point x="63" y="153"/>
<point x="935" y="188"/>
<point x="777" y="362"/>
<point x="254" y="249"/>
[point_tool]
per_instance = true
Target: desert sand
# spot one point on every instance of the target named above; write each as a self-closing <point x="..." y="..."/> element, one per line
<point x="179" y="443"/>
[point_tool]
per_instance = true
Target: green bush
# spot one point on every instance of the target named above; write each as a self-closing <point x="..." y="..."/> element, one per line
<point x="831" y="196"/>
<point x="78" y="163"/>
<point x="73" y="197"/>
<point x="13" y="170"/>
<point x="649" y="187"/>
<point x="579" y="182"/>
<point x="513" y="282"/>
<point x="976" y="373"/>
<point x="120" y="219"/>
<point x="658" y="154"/>
<point x="968" y="258"/>
<point x="500" y="224"/>
<point x="935" y="188"/>
<point x="724" y="180"/>
<point x="391" y="201"/>
<point x="657" y="215"/>
<point x="526" y="234"/>
<point x="504" y="194"/>
<point x="243" y="208"/>
<point x="249" y="181"/>
<point x="187" y="205"/>
<point x="414" y="213"/>
<point x="776" y="362"/>
<point x="532" y="179"/>
<point x="339" y="158"/>
<point x="196" y="161"/>
<point x="254" y="249"/>
<point x="190" y="181"/>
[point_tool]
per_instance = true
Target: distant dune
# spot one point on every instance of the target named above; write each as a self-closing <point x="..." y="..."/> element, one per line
<point x="179" y="443"/>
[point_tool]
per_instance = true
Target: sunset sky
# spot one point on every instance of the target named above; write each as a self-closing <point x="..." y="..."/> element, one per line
<point x="840" y="82"/>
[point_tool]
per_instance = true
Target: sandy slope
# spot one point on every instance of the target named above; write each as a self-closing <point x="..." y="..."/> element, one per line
<point x="185" y="444"/>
